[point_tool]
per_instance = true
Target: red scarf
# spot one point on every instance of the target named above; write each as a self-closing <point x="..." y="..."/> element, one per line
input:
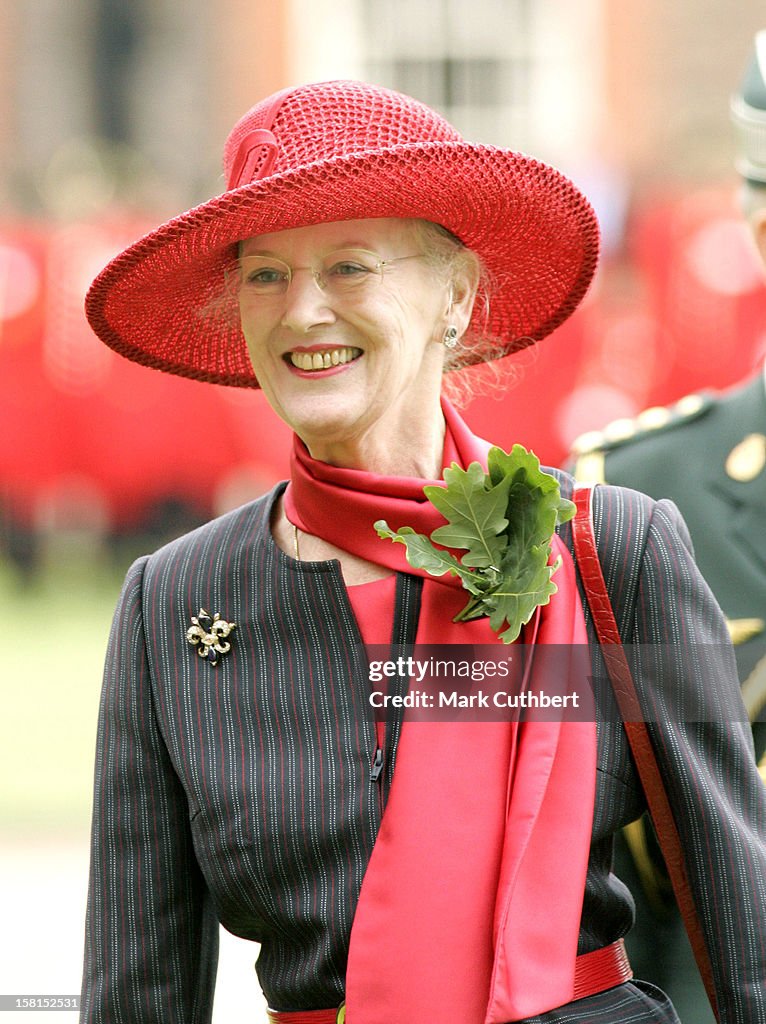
<point x="470" y="908"/>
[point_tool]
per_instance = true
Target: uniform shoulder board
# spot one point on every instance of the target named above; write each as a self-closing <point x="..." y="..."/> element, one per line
<point x="653" y="420"/>
<point x="590" y="449"/>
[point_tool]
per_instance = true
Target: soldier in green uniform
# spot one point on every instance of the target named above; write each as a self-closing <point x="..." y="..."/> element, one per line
<point x="708" y="454"/>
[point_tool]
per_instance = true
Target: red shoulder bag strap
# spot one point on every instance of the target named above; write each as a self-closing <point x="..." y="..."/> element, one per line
<point x="624" y="688"/>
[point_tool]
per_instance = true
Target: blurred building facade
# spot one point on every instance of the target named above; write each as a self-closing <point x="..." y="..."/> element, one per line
<point x="159" y="82"/>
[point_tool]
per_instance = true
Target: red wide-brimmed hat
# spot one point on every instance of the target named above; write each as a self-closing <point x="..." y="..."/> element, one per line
<point x="347" y="150"/>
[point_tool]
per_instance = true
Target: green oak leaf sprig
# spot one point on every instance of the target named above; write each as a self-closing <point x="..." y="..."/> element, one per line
<point x="504" y="521"/>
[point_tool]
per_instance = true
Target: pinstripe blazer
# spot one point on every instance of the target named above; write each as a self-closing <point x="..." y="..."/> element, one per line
<point x="242" y="794"/>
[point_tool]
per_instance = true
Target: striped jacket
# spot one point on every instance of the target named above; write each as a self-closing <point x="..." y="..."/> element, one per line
<point x="241" y="793"/>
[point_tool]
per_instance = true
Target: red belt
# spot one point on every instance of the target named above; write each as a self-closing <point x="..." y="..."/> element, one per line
<point x="594" y="972"/>
<point x="308" y="1016"/>
<point x="601" y="969"/>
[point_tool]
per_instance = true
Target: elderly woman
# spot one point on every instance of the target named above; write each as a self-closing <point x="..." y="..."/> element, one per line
<point x="447" y="872"/>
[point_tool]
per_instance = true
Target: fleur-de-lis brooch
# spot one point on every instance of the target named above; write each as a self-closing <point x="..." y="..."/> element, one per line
<point x="208" y="634"/>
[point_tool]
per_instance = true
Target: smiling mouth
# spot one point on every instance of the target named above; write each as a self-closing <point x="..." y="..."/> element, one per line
<point x="324" y="359"/>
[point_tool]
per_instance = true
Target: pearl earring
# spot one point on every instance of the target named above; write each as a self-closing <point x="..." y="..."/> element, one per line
<point x="450" y="337"/>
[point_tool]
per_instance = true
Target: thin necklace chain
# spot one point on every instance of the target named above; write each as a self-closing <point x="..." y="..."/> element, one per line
<point x="295" y="543"/>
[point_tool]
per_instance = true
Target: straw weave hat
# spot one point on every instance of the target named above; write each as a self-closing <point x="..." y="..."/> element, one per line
<point x="347" y="150"/>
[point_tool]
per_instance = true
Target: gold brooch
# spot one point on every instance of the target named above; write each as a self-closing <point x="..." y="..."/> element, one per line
<point x="210" y="634"/>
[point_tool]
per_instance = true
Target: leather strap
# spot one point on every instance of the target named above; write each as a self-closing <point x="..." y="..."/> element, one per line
<point x="594" y="972"/>
<point x="602" y="969"/>
<point x="586" y="555"/>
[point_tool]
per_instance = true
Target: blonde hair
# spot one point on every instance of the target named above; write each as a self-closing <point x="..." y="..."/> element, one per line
<point x="470" y="367"/>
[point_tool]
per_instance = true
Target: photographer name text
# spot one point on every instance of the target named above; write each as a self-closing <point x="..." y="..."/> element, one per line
<point x="479" y="699"/>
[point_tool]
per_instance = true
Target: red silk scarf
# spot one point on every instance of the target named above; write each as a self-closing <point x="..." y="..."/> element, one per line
<point x="470" y="908"/>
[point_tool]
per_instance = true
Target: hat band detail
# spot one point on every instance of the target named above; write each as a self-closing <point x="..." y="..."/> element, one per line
<point x="255" y="157"/>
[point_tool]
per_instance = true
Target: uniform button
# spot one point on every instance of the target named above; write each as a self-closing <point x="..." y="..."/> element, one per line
<point x="587" y="442"/>
<point x="689" y="405"/>
<point x="747" y="459"/>
<point x="654" y="418"/>
<point x="620" y="430"/>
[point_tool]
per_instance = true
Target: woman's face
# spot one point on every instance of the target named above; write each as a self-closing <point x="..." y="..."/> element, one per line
<point x="361" y="354"/>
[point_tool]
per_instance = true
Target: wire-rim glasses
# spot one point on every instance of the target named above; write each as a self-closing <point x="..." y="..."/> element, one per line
<point x="340" y="273"/>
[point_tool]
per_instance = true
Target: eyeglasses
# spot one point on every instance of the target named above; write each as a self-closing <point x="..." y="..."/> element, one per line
<point x="340" y="273"/>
